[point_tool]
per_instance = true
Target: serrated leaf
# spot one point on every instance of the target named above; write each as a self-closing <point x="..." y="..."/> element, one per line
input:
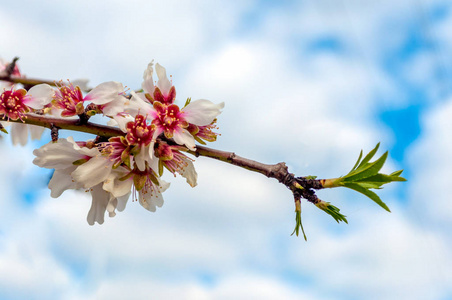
<point x="374" y="197"/>
<point x="369" y="170"/>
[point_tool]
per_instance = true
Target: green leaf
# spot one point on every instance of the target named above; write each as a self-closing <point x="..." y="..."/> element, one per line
<point x="299" y="225"/>
<point x="357" y="162"/>
<point x="371" y="185"/>
<point x="369" y="155"/>
<point x="332" y="211"/>
<point x="381" y="179"/>
<point x="397" y="173"/>
<point x="360" y="189"/>
<point x="367" y="170"/>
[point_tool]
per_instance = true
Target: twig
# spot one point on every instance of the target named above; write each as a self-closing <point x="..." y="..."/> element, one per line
<point x="278" y="171"/>
<point x="26" y="81"/>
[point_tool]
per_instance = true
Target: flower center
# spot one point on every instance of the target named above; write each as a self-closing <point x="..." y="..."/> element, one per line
<point x="12" y="104"/>
<point x="169" y="118"/>
<point x="138" y="132"/>
<point x="69" y="99"/>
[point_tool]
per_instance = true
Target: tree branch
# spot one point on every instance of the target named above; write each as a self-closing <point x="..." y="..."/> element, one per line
<point x="278" y="171"/>
<point x="69" y="124"/>
<point x="363" y="177"/>
<point x="26" y="81"/>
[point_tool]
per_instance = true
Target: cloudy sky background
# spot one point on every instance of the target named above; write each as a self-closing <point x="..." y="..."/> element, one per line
<point x="305" y="82"/>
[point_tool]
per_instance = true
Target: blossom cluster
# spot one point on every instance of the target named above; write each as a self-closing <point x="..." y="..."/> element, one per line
<point x="157" y="134"/>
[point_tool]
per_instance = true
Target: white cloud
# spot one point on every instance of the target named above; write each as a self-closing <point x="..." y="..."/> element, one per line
<point x="430" y="157"/>
<point x="315" y="114"/>
<point x="382" y="255"/>
<point x="237" y="286"/>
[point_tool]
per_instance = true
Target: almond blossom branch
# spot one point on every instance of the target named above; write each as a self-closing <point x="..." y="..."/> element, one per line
<point x="69" y="124"/>
<point x="278" y="171"/>
<point x="29" y="82"/>
<point x="152" y="135"/>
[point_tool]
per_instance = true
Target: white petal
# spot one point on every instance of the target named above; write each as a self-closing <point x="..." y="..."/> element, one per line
<point x="19" y="133"/>
<point x="114" y="107"/>
<point x="57" y="155"/>
<point x="184" y="137"/>
<point x="61" y="181"/>
<point x="153" y="162"/>
<point x="148" y="81"/>
<point x="111" y="206"/>
<point x="189" y="172"/>
<point x="163" y="185"/>
<point x="122" y="201"/>
<point x="93" y="171"/>
<point x="149" y="71"/>
<point x="157" y="132"/>
<point x="82" y="83"/>
<point x="40" y="95"/>
<point x="61" y="154"/>
<point x="141" y="158"/>
<point x="105" y="92"/>
<point x="150" y="199"/>
<point x="36" y="131"/>
<point x="139" y="105"/>
<point x="121" y="121"/>
<point x="2" y="67"/>
<point x="99" y="204"/>
<point x="116" y="187"/>
<point x="202" y="112"/>
<point x="164" y="84"/>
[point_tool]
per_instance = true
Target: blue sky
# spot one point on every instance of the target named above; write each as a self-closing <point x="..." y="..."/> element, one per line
<point x="310" y="83"/>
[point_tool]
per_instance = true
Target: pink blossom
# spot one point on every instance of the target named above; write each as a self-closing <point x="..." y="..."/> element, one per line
<point x="14" y="104"/>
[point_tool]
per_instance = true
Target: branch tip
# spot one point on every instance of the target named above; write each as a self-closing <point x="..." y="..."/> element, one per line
<point x="11" y="66"/>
